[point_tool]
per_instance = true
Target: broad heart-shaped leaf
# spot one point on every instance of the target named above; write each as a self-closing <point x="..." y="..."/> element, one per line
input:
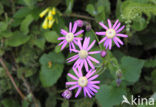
<point x="51" y="36"/>
<point x="17" y="39"/>
<point x="50" y="74"/>
<point x="25" y="24"/>
<point x="131" y="68"/>
<point x="108" y="96"/>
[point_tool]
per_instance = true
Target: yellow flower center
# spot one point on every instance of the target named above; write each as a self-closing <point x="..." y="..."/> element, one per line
<point x="110" y="33"/>
<point x="82" y="81"/>
<point x="69" y="37"/>
<point x="83" y="54"/>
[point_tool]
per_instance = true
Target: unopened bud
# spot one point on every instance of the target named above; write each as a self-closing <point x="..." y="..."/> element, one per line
<point x="103" y="53"/>
<point x="79" y="23"/>
<point x="67" y="94"/>
<point x="118" y="82"/>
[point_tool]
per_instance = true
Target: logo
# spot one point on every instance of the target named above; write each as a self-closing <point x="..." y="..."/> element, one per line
<point x="138" y="100"/>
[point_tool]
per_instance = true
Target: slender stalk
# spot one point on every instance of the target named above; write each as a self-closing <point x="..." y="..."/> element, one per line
<point x="79" y="16"/>
<point x="12" y="79"/>
<point x="30" y="91"/>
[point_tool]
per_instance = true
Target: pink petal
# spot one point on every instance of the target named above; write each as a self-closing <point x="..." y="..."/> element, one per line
<point x="61" y="43"/>
<point x="118" y="40"/>
<point x="109" y="23"/>
<point x="90" y="73"/>
<point x="115" y="23"/>
<point x="72" y="76"/>
<point x="63" y="32"/>
<point x="90" y="63"/>
<point x="86" y="65"/>
<point x="73" y="87"/>
<point x="120" y="29"/>
<point x="78" y="91"/>
<point x="76" y="72"/>
<point x="94" y="82"/>
<point x="94" y="52"/>
<point x="70" y="26"/>
<point x="61" y="38"/>
<point x="79" y="44"/>
<point x="78" y="33"/>
<point x="74" y="50"/>
<point x="92" y="78"/>
<point x="110" y="44"/>
<point x="74" y="28"/>
<point x="122" y="35"/>
<point x="102" y="40"/>
<point x="87" y="92"/>
<point x="91" y="45"/>
<point x="84" y="92"/>
<point x="90" y="91"/>
<point x="93" y="59"/>
<point x="100" y="33"/>
<point x="63" y="46"/>
<point x="95" y="86"/>
<point x="117" y="26"/>
<point x="101" y="24"/>
<point x="71" y="83"/>
<point x="73" y="59"/>
<point x="115" y="41"/>
<point x="86" y="43"/>
<point x="94" y="90"/>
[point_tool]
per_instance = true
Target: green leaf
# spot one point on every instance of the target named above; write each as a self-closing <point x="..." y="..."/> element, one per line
<point x="91" y="10"/>
<point x="69" y="4"/>
<point x="30" y="3"/>
<point x="1" y="8"/>
<point x="40" y="42"/>
<point x="3" y="26"/>
<point x="17" y="39"/>
<point x="49" y="74"/>
<point x="51" y="101"/>
<point x="9" y="103"/>
<point x="65" y="103"/>
<point x="51" y="36"/>
<point x="131" y="68"/>
<point x="85" y="102"/>
<point x="25" y="24"/>
<point x="22" y="12"/>
<point x="109" y="96"/>
<point x="139" y="24"/>
<point x="150" y="63"/>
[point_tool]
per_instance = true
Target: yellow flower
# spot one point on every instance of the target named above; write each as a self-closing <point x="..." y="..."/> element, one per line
<point x="50" y="16"/>
<point x="51" y="22"/>
<point x="53" y="11"/>
<point x="44" y="12"/>
<point x="45" y="23"/>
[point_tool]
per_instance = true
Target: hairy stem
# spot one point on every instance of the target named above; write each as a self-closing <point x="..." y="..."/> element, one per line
<point x="12" y="79"/>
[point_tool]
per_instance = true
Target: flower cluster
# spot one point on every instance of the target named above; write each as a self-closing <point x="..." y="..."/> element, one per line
<point x="82" y="48"/>
<point x="49" y="19"/>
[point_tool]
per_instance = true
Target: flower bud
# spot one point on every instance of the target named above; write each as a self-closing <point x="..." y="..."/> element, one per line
<point x="88" y="27"/>
<point x="79" y="23"/>
<point x="118" y="82"/>
<point x="119" y="74"/>
<point x="103" y="53"/>
<point x="67" y="94"/>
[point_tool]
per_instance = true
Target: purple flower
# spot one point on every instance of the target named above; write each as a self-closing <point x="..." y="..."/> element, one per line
<point x="83" y="55"/>
<point x="67" y="94"/>
<point x="70" y="37"/>
<point x="112" y="33"/>
<point x="79" y="23"/>
<point x="103" y="53"/>
<point x="84" y="83"/>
